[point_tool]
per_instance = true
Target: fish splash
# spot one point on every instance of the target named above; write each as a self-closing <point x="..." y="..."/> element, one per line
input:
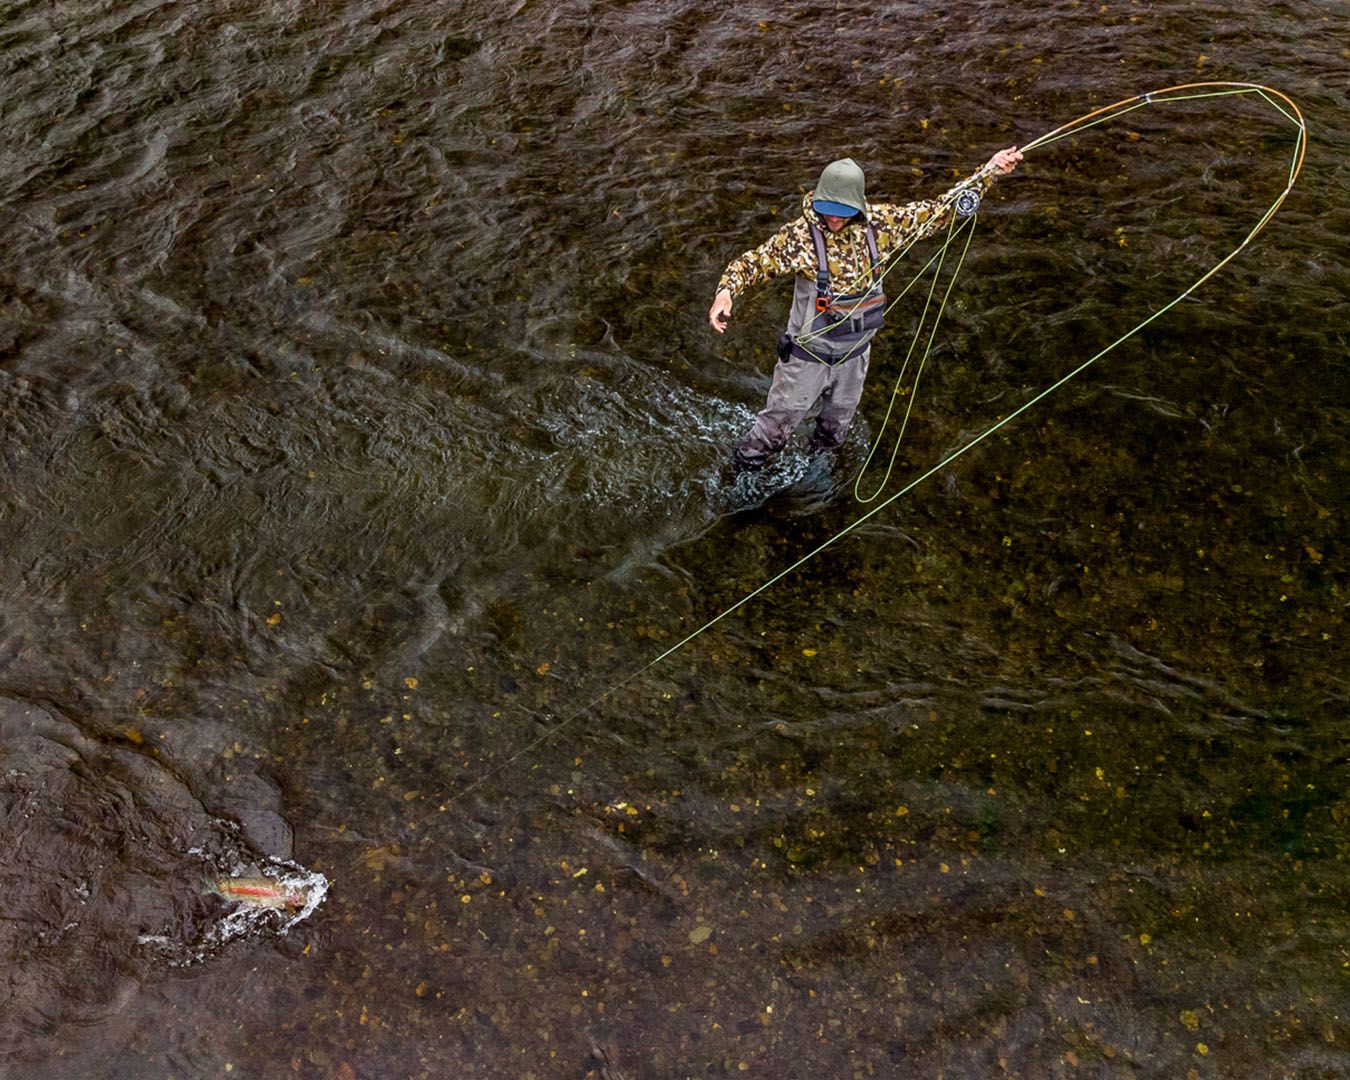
<point x="271" y="897"/>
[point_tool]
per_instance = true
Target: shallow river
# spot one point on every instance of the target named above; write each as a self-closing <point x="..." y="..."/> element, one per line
<point x="364" y="443"/>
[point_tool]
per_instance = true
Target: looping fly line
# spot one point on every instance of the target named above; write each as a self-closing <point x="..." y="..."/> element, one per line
<point x="1189" y="91"/>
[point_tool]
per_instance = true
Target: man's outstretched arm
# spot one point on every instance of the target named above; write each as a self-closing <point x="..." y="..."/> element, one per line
<point x="902" y="224"/>
<point x="777" y="256"/>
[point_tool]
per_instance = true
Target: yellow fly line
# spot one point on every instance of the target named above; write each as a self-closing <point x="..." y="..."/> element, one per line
<point x="1184" y="92"/>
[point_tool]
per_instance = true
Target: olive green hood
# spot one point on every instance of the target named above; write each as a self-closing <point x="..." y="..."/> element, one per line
<point x="842" y="182"/>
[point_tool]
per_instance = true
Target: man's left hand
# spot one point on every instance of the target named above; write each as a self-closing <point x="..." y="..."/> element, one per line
<point x="1005" y="161"/>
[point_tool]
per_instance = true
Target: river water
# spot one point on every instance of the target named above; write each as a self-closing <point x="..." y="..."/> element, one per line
<point x="362" y="424"/>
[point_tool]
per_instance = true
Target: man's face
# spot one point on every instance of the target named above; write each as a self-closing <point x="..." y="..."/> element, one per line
<point x="834" y="224"/>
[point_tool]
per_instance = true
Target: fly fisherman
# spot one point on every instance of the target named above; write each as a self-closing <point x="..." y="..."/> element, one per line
<point x="836" y="249"/>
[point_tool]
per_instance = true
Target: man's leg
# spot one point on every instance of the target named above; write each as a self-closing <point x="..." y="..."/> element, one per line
<point x="839" y="401"/>
<point x="796" y="386"/>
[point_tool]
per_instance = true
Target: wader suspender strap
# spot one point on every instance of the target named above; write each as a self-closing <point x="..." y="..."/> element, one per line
<point x="874" y="254"/>
<point x="822" y="267"/>
<point x="823" y="292"/>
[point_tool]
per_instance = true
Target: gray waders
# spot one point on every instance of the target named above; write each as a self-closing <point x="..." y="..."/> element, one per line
<point x="822" y="358"/>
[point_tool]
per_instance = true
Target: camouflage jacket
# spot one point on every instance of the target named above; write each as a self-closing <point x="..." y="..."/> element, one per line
<point x="789" y="250"/>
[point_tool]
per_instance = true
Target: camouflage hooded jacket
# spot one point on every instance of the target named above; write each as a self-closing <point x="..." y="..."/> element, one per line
<point x="789" y="250"/>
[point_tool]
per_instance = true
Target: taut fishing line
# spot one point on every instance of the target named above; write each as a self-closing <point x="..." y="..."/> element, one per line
<point x="967" y="216"/>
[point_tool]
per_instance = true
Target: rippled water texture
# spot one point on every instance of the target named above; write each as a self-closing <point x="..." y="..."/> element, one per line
<point x="361" y="422"/>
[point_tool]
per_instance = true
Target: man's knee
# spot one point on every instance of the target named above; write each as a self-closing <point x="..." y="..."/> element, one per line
<point x="831" y="429"/>
<point x="763" y="441"/>
<point x="797" y="385"/>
